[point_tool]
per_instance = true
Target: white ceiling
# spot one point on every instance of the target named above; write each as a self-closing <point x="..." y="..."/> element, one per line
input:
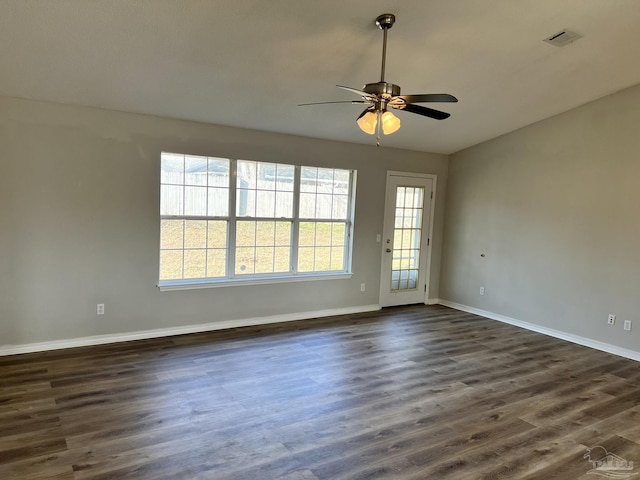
<point x="249" y="63"/>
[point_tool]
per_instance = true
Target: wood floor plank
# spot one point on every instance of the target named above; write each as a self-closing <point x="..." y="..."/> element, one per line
<point x="418" y="392"/>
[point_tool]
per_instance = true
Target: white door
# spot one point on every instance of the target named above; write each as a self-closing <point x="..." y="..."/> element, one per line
<point x="405" y="240"/>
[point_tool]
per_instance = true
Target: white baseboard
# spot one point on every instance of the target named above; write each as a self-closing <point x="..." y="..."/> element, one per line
<point x="433" y="301"/>
<point x="167" y="332"/>
<point x="584" y="341"/>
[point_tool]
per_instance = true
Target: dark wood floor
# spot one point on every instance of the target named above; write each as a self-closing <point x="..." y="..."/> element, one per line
<point x="405" y="393"/>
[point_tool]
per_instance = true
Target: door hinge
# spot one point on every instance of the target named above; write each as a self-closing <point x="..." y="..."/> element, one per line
<point x="428" y="241"/>
<point x="425" y="288"/>
<point x="431" y="194"/>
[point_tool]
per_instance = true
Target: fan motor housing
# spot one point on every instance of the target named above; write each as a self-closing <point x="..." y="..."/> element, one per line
<point x="382" y="89"/>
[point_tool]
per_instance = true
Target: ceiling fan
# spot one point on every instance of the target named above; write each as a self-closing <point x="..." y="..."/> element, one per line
<point x="383" y="95"/>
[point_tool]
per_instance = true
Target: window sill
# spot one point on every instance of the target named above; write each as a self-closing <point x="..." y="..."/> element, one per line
<point x="196" y="284"/>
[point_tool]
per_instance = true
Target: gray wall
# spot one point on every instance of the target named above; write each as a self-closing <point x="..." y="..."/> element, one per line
<point x="555" y="207"/>
<point x="80" y="221"/>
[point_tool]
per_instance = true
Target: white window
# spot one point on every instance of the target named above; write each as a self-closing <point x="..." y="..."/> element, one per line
<point x="226" y="220"/>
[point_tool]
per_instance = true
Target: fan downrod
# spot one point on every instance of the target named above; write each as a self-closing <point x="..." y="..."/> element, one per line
<point x="382" y="88"/>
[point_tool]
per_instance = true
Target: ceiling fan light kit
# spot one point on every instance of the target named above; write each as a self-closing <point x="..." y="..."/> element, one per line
<point x="383" y="95"/>
<point x="370" y="120"/>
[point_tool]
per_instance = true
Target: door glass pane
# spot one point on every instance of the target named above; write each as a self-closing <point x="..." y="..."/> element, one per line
<point x="407" y="234"/>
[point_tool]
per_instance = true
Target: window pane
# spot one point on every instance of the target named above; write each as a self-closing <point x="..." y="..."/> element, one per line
<point x="245" y="258"/>
<point x="324" y="193"/>
<point x="307" y="205"/>
<point x="321" y="247"/>
<point x="337" y="259"/>
<point x="217" y="234"/>
<point x="171" y="200"/>
<point x="413" y="258"/>
<point x="246" y="174"/>
<point x="216" y="262"/>
<point x="323" y="206"/>
<point x="282" y="259"/>
<point x="408" y="197"/>
<point x="263" y="247"/>
<point x="307" y="234"/>
<point x="266" y="176"/>
<point x="265" y="204"/>
<point x="195" y="234"/>
<point x="245" y="234"/>
<point x="171" y="234"/>
<point x="305" y="259"/>
<point x="246" y="203"/>
<point x="265" y="190"/>
<point x="341" y="182"/>
<point x="337" y="237"/>
<point x="414" y="238"/>
<point x="399" y="219"/>
<point x="285" y="177"/>
<point x="340" y="203"/>
<point x="323" y="234"/>
<point x="265" y="233"/>
<point x="172" y="169"/>
<point x="195" y="201"/>
<point x="170" y="264"/>
<point x="264" y="259"/>
<point x="195" y="170"/>
<point x="218" y="172"/>
<point x="408" y="217"/>
<point x="324" y="183"/>
<point x="413" y="278"/>
<point x="397" y="238"/>
<point x="284" y="204"/>
<point x="194" y="263"/>
<point x="218" y="202"/>
<point x="283" y="234"/>
<point x="322" y="259"/>
<point x="400" y="193"/>
<point x="308" y="176"/>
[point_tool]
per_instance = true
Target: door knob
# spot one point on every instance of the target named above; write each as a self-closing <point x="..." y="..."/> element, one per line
<point x="388" y="250"/>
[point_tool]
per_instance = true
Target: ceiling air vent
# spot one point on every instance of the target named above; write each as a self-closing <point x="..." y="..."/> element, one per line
<point x="562" y="38"/>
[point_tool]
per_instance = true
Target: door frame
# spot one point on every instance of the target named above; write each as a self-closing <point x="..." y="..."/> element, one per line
<point x="426" y="228"/>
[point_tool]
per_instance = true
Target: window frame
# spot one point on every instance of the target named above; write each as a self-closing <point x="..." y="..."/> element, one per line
<point x="293" y="275"/>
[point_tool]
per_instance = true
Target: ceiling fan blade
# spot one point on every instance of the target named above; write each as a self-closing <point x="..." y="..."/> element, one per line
<point x="357" y="92"/>
<point x="429" y="97"/>
<point x="341" y="101"/>
<point x="427" y="112"/>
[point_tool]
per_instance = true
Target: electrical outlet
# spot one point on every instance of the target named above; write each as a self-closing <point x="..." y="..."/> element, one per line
<point x="627" y="325"/>
<point x="100" y="310"/>
<point x="362" y="287"/>
<point x="481" y="290"/>
<point x="612" y="319"/>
